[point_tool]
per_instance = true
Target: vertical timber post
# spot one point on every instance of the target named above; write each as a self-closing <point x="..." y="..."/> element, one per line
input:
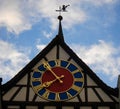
<point x="0" y="93"/>
<point x="119" y="89"/>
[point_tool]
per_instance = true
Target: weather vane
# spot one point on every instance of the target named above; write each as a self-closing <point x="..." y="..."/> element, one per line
<point x="62" y="9"/>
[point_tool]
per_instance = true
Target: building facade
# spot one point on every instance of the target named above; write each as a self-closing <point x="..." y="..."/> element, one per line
<point x="57" y="79"/>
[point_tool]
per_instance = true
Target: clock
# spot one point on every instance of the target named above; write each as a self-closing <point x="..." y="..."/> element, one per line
<point x="57" y="80"/>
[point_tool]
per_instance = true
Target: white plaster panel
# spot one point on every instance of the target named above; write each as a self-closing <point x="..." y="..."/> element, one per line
<point x="103" y="95"/>
<point x="103" y="107"/>
<point x="117" y="99"/>
<point x="52" y="54"/>
<point x="49" y="107"/>
<point x="82" y="95"/>
<point x="21" y="96"/>
<point x="13" y="107"/>
<point x="85" y="107"/>
<point x="92" y="96"/>
<point x="10" y="93"/>
<point x="67" y="107"/>
<point x="63" y="54"/>
<point x="31" y="93"/>
<point x="31" y="107"/>
<point x="90" y="82"/>
<point x="23" y="81"/>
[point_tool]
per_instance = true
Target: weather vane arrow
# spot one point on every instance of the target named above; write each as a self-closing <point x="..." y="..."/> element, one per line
<point x="62" y="8"/>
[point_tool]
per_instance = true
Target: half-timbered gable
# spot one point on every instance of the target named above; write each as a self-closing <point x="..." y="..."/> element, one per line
<point x="19" y="94"/>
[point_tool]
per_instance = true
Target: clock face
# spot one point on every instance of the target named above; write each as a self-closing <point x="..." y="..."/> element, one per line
<point x="57" y="80"/>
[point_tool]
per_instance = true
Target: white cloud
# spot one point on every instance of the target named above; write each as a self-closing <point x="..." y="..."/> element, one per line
<point x="20" y="15"/>
<point x="40" y="46"/>
<point x="74" y="16"/>
<point x="100" y="2"/>
<point x="46" y="34"/>
<point x="11" y="60"/>
<point x="102" y="57"/>
<point x="11" y="16"/>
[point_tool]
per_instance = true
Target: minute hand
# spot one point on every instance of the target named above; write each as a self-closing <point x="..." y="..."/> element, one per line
<point x="46" y="65"/>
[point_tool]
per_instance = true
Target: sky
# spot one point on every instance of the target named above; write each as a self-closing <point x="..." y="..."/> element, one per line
<point x="90" y="27"/>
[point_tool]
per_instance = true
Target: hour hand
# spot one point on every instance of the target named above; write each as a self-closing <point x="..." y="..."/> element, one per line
<point x="48" y="83"/>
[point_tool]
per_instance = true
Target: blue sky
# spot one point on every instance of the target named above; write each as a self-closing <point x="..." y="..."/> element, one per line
<point x="91" y="28"/>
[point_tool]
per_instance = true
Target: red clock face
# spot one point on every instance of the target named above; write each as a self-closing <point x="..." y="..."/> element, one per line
<point x="57" y="80"/>
<point x="56" y="86"/>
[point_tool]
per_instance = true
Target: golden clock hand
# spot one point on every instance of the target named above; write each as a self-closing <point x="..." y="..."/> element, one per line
<point x="48" y="83"/>
<point x="46" y="65"/>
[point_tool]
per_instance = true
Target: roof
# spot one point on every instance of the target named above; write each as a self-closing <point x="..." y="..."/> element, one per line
<point x="59" y="40"/>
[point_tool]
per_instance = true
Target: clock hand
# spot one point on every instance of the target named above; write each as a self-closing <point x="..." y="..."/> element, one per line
<point x="46" y="65"/>
<point x="48" y="83"/>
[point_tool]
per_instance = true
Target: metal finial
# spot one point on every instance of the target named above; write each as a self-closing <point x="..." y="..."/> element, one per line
<point x="0" y="80"/>
<point x="60" y="32"/>
<point x="60" y="17"/>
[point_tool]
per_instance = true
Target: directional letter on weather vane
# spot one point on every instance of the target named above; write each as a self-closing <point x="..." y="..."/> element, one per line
<point x="62" y="8"/>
